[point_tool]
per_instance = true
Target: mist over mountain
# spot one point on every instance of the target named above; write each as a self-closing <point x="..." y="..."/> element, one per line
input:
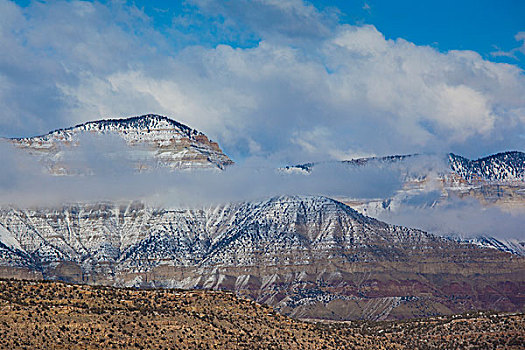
<point x="148" y="202"/>
<point x="447" y="194"/>
<point x="149" y="158"/>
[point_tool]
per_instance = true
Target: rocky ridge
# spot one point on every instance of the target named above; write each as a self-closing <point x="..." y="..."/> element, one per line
<point x="153" y="140"/>
<point x="203" y="237"/>
<point x="502" y="167"/>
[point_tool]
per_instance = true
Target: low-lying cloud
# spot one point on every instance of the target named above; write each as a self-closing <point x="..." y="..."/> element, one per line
<point x="464" y="218"/>
<point x="106" y="171"/>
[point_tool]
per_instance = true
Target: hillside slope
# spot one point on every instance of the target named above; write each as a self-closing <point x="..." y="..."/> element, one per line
<point x="41" y="315"/>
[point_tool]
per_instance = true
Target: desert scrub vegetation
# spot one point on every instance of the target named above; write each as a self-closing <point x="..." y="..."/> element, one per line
<point x="64" y="316"/>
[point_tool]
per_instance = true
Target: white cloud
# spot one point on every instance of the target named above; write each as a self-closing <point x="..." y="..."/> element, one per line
<point x="311" y="89"/>
<point x="283" y="20"/>
<point x="464" y="111"/>
<point x="112" y="177"/>
<point x="459" y="217"/>
<point x="520" y="37"/>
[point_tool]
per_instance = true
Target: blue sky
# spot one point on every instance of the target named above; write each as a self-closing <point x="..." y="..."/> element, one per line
<point x="286" y="81"/>
<point x="484" y="26"/>
<point x="479" y="25"/>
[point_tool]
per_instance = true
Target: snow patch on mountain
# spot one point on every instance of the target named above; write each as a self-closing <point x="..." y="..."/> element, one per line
<point x="153" y="138"/>
<point x="513" y="246"/>
<point x="500" y="167"/>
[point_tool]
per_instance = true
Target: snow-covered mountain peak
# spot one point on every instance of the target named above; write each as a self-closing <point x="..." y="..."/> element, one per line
<point x="162" y="142"/>
<point x="145" y="124"/>
<point x="297" y="205"/>
<point x="150" y="123"/>
<point x="505" y="166"/>
<point x="301" y="254"/>
<point x="500" y="168"/>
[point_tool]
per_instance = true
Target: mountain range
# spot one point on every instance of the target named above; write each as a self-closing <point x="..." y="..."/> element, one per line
<point x="308" y="256"/>
<point x="504" y="167"/>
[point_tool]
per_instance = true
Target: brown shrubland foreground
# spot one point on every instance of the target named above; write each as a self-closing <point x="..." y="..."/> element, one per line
<point x="55" y="315"/>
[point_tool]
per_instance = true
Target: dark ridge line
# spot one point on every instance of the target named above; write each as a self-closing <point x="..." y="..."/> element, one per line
<point x="489" y="157"/>
<point x="355" y="161"/>
<point x="120" y="121"/>
<point x="393" y="158"/>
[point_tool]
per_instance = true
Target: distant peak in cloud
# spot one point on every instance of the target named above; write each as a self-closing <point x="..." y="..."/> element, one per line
<point x="145" y="142"/>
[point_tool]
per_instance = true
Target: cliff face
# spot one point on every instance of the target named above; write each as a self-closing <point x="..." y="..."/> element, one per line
<point x="307" y="256"/>
<point x="153" y="140"/>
